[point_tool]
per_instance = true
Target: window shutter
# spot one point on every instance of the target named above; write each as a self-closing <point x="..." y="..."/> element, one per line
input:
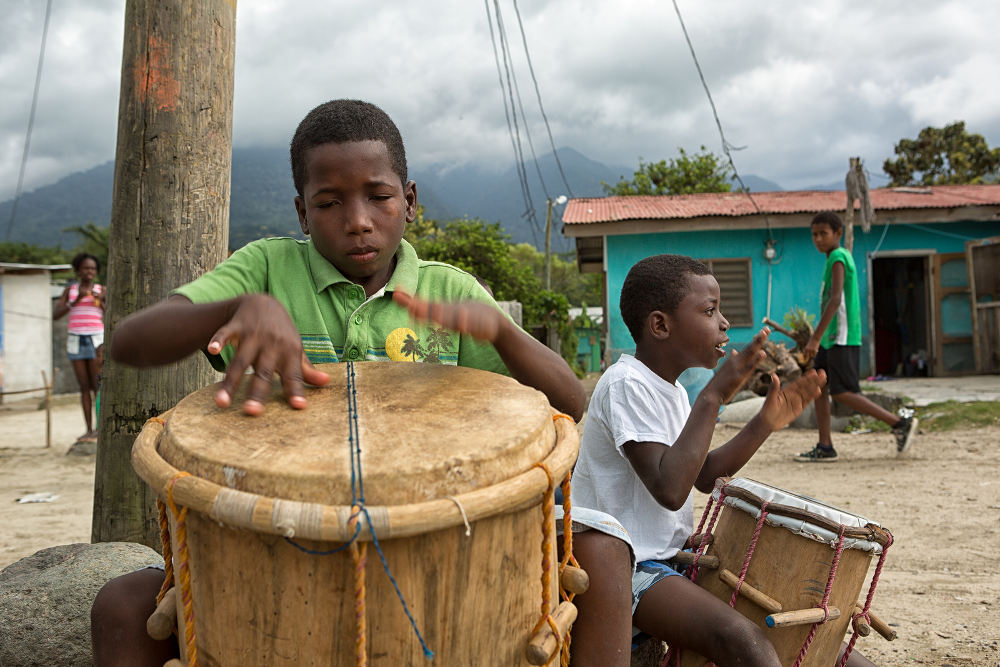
<point x="736" y="288"/>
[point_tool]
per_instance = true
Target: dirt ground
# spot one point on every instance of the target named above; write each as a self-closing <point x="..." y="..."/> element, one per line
<point x="940" y="588"/>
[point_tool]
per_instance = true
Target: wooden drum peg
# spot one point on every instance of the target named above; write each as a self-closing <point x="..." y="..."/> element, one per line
<point x="543" y="645"/>
<point x="162" y="622"/>
<point x="801" y="617"/>
<point x="877" y="624"/>
<point x="575" y="580"/>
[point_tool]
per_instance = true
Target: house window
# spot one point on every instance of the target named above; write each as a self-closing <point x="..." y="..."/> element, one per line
<point x="736" y="287"/>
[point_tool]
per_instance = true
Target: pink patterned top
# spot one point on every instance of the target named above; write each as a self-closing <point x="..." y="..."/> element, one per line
<point x="85" y="318"/>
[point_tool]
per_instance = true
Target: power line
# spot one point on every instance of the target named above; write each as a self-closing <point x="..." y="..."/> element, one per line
<point x="512" y="128"/>
<point x="726" y="146"/>
<point x="31" y="120"/>
<point x="538" y="94"/>
<point x="504" y="40"/>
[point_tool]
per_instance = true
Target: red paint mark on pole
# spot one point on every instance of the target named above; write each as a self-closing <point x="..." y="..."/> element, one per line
<point x="154" y="80"/>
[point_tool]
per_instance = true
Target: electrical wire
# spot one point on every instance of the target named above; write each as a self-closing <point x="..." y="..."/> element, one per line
<point x="31" y="121"/>
<point x="726" y="146"/>
<point x="541" y="107"/>
<point x="512" y="127"/>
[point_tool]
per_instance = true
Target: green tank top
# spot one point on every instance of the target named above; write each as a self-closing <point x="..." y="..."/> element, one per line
<point x="845" y="327"/>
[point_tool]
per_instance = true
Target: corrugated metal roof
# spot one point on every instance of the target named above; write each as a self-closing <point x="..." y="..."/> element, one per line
<point x="736" y="204"/>
<point x="9" y="266"/>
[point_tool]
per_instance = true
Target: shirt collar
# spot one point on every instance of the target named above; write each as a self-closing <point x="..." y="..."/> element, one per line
<point x="325" y="274"/>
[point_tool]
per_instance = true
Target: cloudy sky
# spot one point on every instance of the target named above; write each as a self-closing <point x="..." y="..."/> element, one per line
<point x="802" y="85"/>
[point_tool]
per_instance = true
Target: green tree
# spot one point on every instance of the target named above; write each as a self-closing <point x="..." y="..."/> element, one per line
<point x="684" y="175"/>
<point x="566" y="278"/>
<point x="943" y="156"/>
<point x="26" y="253"/>
<point x="421" y="228"/>
<point x="484" y="250"/>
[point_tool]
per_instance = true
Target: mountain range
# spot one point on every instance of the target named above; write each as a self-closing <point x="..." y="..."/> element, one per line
<point x="262" y="194"/>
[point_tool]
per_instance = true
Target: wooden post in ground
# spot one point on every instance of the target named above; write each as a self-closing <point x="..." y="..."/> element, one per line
<point x="48" y="405"/>
<point x="169" y="222"/>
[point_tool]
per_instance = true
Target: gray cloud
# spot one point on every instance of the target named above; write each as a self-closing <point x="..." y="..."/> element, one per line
<point x="802" y="85"/>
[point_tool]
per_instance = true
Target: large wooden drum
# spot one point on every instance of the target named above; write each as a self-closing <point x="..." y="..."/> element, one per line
<point x="796" y="555"/>
<point x="267" y="496"/>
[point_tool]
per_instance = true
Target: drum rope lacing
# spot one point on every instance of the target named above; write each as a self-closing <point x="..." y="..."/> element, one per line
<point x="824" y="603"/>
<point x="184" y="570"/>
<point x="548" y="506"/>
<point x="866" y="610"/>
<point x="358" y="508"/>
<point x="750" y="550"/>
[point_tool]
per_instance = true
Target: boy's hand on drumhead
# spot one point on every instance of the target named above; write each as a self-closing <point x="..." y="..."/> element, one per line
<point x="739" y="367"/>
<point x="785" y="403"/>
<point x="267" y="341"/>
<point x="478" y="320"/>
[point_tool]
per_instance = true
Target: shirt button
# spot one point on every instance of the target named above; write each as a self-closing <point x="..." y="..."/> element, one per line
<point x="357" y="319"/>
<point x="353" y="354"/>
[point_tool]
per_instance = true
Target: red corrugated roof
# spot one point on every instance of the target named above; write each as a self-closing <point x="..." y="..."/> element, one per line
<point x="734" y="204"/>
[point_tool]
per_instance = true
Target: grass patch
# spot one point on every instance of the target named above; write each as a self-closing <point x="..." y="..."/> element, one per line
<point x="944" y="416"/>
<point x="864" y="424"/>
<point x="950" y="415"/>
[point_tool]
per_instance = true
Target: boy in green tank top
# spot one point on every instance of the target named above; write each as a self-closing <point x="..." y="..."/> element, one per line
<point x="836" y="344"/>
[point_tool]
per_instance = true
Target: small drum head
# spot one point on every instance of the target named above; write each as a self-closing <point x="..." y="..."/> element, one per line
<point x="425" y="431"/>
<point x="816" y="520"/>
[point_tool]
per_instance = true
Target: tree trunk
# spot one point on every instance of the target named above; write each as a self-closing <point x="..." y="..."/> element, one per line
<point x="169" y="222"/>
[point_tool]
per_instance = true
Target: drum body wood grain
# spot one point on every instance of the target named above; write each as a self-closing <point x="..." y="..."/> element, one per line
<point x="434" y="441"/>
<point x="791" y="564"/>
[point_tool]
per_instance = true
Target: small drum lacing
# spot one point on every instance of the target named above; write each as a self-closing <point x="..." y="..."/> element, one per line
<point x="713" y="507"/>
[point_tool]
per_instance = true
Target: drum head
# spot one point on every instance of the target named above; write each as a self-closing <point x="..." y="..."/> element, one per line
<point x="816" y="520"/>
<point x="425" y="431"/>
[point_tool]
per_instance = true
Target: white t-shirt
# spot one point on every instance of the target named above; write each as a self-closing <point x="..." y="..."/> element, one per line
<point x="632" y="403"/>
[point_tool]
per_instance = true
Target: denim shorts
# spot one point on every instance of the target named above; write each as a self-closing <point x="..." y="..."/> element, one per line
<point x="647" y="574"/>
<point x="83" y="346"/>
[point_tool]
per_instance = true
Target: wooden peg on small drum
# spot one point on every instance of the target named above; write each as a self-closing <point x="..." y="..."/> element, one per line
<point x="694" y="541"/>
<point x="877" y="624"/>
<point x="687" y="558"/>
<point x="575" y="580"/>
<point x="543" y="645"/>
<point x="161" y="623"/>
<point x="761" y="599"/>
<point x="801" y="617"/>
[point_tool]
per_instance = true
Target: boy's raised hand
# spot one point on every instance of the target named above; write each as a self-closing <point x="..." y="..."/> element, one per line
<point x="739" y="367"/>
<point x="785" y="403"/>
<point x="266" y="340"/>
<point x="478" y="320"/>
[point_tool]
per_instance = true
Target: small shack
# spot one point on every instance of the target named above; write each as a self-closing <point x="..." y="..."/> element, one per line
<point x="26" y="327"/>
<point x="927" y="267"/>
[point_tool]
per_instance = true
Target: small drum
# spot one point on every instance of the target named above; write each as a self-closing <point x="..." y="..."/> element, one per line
<point x="445" y="460"/>
<point x="797" y="550"/>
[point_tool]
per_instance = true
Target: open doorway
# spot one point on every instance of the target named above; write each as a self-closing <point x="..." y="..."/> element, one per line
<point x="900" y="315"/>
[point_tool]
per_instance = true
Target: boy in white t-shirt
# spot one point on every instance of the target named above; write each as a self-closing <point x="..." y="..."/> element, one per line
<point x="644" y="448"/>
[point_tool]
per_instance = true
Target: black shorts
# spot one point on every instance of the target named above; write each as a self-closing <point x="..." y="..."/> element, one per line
<point x="841" y="365"/>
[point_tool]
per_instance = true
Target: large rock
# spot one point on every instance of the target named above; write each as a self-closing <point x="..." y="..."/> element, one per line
<point x="45" y="600"/>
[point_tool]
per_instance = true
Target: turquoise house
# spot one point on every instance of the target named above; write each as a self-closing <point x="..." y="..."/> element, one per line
<point x="928" y="265"/>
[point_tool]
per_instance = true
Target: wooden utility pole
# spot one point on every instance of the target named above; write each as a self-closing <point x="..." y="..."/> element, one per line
<point x="169" y="222"/>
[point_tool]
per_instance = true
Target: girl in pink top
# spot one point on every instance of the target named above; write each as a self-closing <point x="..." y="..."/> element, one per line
<point x="84" y="300"/>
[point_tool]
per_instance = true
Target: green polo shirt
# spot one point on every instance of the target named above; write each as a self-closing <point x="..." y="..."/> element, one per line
<point x="335" y="320"/>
